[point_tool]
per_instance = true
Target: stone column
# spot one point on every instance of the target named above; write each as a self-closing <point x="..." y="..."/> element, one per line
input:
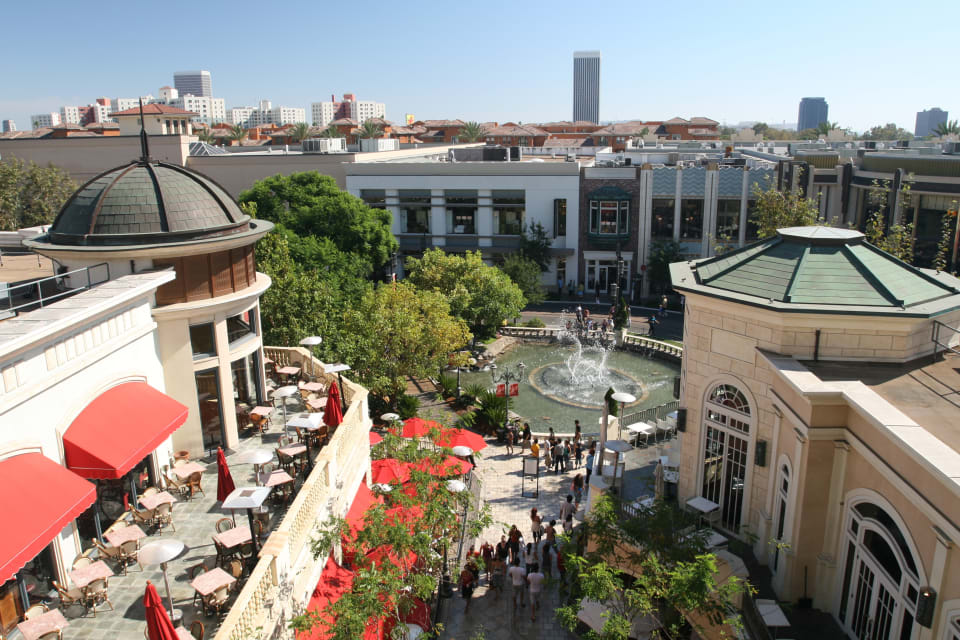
<point x="677" y="197"/>
<point x="935" y="580"/>
<point x="824" y="596"/>
<point x="438" y="219"/>
<point x="484" y="220"/>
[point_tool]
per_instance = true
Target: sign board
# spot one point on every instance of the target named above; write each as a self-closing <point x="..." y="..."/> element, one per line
<point x="531" y="465"/>
<point x="410" y="119"/>
<point x="514" y="388"/>
<point x="501" y="390"/>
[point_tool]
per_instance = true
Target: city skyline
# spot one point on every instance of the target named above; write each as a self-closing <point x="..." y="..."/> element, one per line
<point x="656" y="82"/>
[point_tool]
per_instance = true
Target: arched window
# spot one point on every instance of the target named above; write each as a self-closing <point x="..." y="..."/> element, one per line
<point x="783" y="493"/>
<point x="880" y="578"/>
<point x="953" y="631"/>
<point x="727" y="419"/>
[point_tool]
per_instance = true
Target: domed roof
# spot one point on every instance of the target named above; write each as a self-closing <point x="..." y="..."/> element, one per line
<point x="816" y="269"/>
<point x="147" y="202"/>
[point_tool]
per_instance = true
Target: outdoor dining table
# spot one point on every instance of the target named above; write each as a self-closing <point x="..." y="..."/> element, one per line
<point x="183" y="634"/>
<point x="707" y="508"/>
<point x="85" y="575"/>
<point x="184" y="471"/>
<point x="293" y="449"/>
<point x="207" y="583"/>
<point x="261" y="411"/>
<point x="641" y="429"/>
<point x="47" y="622"/>
<point x="313" y="386"/>
<point x="157" y="499"/>
<point x="289" y="372"/>
<point x="317" y="404"/>
<point x="118" y="536"/>
<point x="234" y="537"/>
<point x="275" y="478"/>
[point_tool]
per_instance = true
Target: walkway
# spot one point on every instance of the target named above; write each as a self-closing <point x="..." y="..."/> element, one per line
<point x="500" y="487"/>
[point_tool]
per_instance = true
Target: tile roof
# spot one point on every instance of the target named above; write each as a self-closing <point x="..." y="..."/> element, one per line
<point x="443" y="123"/>
<point x="676" y="121"/>
<point x="154" y="109"/>
<point x="623" y="129"/>
<point x="344" y="121"/>
<point x="554" y="143"/>
<point x="516" y="130"/>
<point x="702" y="120"/>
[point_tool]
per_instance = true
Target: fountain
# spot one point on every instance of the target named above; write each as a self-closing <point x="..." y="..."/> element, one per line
<point x="567" y="380"/>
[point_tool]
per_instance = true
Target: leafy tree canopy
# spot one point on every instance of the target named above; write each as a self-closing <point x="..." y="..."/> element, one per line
<point x="396" y="331"/>
<point x="889" y="131"/>
<point x="535" y="245"/>
<point x="483" y="296"/>
<point x="947" y="128"/>
<point x="31" y="195"/>
<point x="310" y="204"/>
<point x="662" y="253"/>
<point x="775" y="209"/>
<point x="471" y="132"/>
<point x="526" y="274"/>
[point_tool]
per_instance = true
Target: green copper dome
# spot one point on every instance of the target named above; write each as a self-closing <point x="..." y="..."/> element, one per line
<point x="147" y="202"/>
<point x="813" y="269"/>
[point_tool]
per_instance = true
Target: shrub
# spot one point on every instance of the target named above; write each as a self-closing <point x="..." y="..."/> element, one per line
<point x="448" y="385"/>
<point x="534" y="323"/>
<point x="407" y="406"/>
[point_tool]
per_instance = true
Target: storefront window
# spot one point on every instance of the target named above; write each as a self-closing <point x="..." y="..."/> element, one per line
<point x="461" y="212"/>
<point x="33" y="587"/>
<point x="728" y="220"/>
<point x="374" y="198"/>
<point x="246" y="377"/>
<point x="691" y="219"/>
<point x="211" y="417"/>
<point x="202" y="340"/>
<point x="414" y="211"/>
<point x="609" y="217"/>
<point x="508" y="209"/>
<point x="241" y="326"/>
<point x="662" y="228"/>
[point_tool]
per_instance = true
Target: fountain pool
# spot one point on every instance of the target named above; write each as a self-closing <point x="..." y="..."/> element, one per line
<point x="563" y="383"/>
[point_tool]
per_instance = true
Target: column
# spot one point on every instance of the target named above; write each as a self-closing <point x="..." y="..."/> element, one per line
<point x="940" y="559"/>
<point x="484" y="224"/>
<point x="678" y="194"/>
<point x="744" y="196"/>
<point x="824" y="594"/>
<point x="392" y="201"/>
<point x="438" y="220"/>
<point x="228" y="407"/>
<point x="646" y="197"/>
<point x="710" y="189"/>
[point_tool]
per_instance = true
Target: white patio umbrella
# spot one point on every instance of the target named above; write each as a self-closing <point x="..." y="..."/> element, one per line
<point x="161" y="552"/>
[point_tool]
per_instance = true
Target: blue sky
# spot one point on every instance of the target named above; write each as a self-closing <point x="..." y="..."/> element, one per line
<point x="875" y="61"/>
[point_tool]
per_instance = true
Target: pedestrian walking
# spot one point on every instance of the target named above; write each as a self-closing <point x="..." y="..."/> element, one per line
<point x="577" y="489"/>
<point x="513" y="542"/>
<point x="663" y="306"/>
<point x="550" y="532"/>
<point x="487" y="553"/>
<point x="590" y="456"/>
<point x="535" y="580"/>
<point x="530" y="561"/>
<point x="467" y="584"/>
<point x="518" y="579"/>
<point x="557" y="456"/>
<point x="509" y="442"/>
<point x="653" y="326"/>
<point x="577" y="454"/>
<point x="503" y="549"/>
<point x="546" y="557"/>
<point x="577" y="433"/>
<point x="497" y="570"/>
<point x="535" y="449"/>
<point x="536" y="525"/>
<point x="566" y="514"/>
<point x="567" y="453"/>
<point x="547" y="455"/>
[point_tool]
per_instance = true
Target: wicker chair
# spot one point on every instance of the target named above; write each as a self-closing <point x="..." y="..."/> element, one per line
<point x="81" y="561"/>
<point x="129" y="551"/>
<point x="180" y="487"/>
<point x="164" y="516"/>
<point x="108" y="553"/>
<point x="217" y="600"/>
<point x="144" y="517"/>
<point x="194" y="483"/>
<point x="34" y="611"/>
<point x="96" y="593"/>
<point x="56" y="634"/>
<point x="196" y="630"/>
<point x="235" y="569"/>
<point x="196" y="570"/>
<point x="68" y="596"/>
<point x="223" y="554"/>
<point x="224" y="524"/>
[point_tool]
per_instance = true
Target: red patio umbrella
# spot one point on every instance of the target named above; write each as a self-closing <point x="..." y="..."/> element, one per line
<point x="225" y="484"/>
<point x="333" y="414"/>
<point x="450" y="466"/>
<point x="461" y="437"/>
<point x="375" y="438"/>
<point x="389" y="470"/>
<point x="159" y="626"/>
<point x="419" y="428"/>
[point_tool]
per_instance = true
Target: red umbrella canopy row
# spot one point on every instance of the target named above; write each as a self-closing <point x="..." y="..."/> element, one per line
<point x="449" y="437"/>
<point x="392" y="471"/>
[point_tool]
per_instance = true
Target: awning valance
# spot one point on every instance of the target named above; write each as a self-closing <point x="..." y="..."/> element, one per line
<point x="38" y="498"/>
<point x="119" y="428"/>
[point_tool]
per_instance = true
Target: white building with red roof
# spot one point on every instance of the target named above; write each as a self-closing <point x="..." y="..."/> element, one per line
<point x="159" y="120"/>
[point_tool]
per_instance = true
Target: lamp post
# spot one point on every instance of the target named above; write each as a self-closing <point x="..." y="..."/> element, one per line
<point x="283" y="393"/>
<point x="622" y="398"/>
<point x="161" y="552"/>
<point x="309" y="343"/>
<point x="506" y="376"/>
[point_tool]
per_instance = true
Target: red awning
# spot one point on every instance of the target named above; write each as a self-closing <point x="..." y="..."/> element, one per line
<point x="119" y="428"/>
<point x="39" y="498"/>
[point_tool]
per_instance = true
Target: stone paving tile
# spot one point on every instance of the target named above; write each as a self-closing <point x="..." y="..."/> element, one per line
<point x="500" y="477"/>
<point x="195" y="522"/>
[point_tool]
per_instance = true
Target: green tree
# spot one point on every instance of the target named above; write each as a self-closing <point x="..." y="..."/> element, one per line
<point x="527" y="275"/>
<point x="483" y="296"/>
<point x="206" y="135"/>
<point x="808" y="134"/>
<point x="330" y="132"/>
<point x="237" y="134"/>
<point x="662" y="253"/>
<point x="370" y="129"/>
<point x="397" y="331"/>
<point x="889" y="131"/>
<point x="31" y="195"/>
<point x="947" y="128"/>
<point x="671" y="573"/>
<point x="896" y="240"/>
<point x="535" y="245"/>
<point x="775" y="209"/>
<point x="825" y="128"/>
<point x="471" y="132"/>
<point x="760" y="128"/>
<point x="310" y="204"/>
<point x="299" y="132"/>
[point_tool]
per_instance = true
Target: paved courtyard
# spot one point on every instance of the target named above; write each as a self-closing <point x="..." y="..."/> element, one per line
<point x="195" y="522"/>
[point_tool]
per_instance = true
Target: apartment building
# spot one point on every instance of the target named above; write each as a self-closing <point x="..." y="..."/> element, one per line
<point x="360" y="110"/>
<point x="8" y="126"/>
<point x="196" y="83"/>
<point x="41" y="120"/>
<point x="476" y="205"/>
<point x="209" y="110"/>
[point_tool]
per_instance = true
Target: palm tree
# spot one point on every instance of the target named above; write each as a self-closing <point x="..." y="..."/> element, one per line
<point x="299" y="132"/>
<point x="471" y="132"/>
<point x="206" y="135"/>
<point x="330" y="132"/>
<point x="826" y="127"/>
<point x="370" y="129"/>
<point x="237" y="134"/>
<point x="947" y="128"/>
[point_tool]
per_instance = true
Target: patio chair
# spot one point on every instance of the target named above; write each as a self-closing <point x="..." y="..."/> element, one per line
<point x="300" y="436"/>
<point x="223" y="554"/>
<point x="56" y="634"/>
<point x="34" y="611"/>
<point x="663" y="428"/>
<point x="217" y="600"/>
<point x="179" y="487"/>
<point x="143" y="517"/>
<point x="96" y="593"/>
<point x="224" y="524"/>
<point x="286" y="462"/>
<point x="196" y="630"/>
<point x="266" y="468"/>
<point x="284" y="441"/>
<point x="193" y="572"/>
<point x="164" y="516"/>
<point x="246" y="552"/>
<point x="260" y="423"/>
<point x="81" y="561"/>
<point x="257" y="529"/>
<point x="68" y="596"/>
<point x="235" y="569"/>
<point x="129" y="554"/>
<point x="194" y="483"/>
<point x="108" y="553"/>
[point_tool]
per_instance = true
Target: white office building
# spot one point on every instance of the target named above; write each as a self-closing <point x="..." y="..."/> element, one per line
<point x="168" y="94"/>
<point x="196" y="83"/>
<point x="69" y="115"/>
<point x="39" y="120"/>
<point x="122" y="104"/>
<point x="211" y="110"/>
<point x="286" y="115"/>
<point x="241" y="115"/>
<point x="363" y="110"/>
<point x="8" y="126"/>
<point x="586" y="86"/>
<point x="323" y="113"/>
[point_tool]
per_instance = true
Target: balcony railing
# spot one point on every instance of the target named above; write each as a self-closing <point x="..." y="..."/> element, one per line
<point x="280" y="584"/>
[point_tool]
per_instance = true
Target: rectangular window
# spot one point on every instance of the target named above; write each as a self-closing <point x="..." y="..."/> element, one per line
<point x="508" y="210"/>
<point x="246" y="376"/>
<point x="211" y="417"/>
<point x="728" y="220"/>
<point x="414" y="211"/>
<point x="559" y="217"/>
<point x="662" y="227"/>
<point x="241" y="326"/>
<point x="202" y="341"/>
<point x="753" y="230"/>
<point x="609" y="217"/>
<point x="374" y="198"/>
<point x="461" y="212"/>
<point x="691" y="219"/>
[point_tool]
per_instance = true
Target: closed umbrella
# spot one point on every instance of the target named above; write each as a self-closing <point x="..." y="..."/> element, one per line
<point x="159" y="626"/>
<point x="658" y="481"/>
<point x="333" y="415"/>
<point x="225" y="484"/>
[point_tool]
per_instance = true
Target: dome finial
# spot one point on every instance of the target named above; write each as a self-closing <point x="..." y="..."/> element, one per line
<point x="144" y="144"/>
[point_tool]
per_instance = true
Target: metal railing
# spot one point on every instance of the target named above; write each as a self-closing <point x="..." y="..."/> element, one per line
<point x="652" y="414"/>
<point x="938" y="329"/>
<point x="33" y="291"/>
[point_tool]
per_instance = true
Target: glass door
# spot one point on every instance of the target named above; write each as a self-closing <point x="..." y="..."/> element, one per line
<point x="602" y="282"/>
<point x="211" y="410"/>
<point x="873" y="603"/>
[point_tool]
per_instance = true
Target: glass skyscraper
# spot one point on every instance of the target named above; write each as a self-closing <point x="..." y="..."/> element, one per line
<point x="586" y="86"/>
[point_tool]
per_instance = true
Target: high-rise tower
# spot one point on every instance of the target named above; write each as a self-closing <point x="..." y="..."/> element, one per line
<point x="586" y="86"/>
<point x="195" y="83"/>
<point x="812" y="112"/>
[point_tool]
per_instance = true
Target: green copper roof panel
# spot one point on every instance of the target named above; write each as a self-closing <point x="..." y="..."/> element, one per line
<point x="714" y="266"/>
<point x="827" y="276"/>
<point x="766" y="274"/>
<point x="902" y="282"/>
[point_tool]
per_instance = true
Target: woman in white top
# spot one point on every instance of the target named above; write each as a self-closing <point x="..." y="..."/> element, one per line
<point x="530" y="558"/>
